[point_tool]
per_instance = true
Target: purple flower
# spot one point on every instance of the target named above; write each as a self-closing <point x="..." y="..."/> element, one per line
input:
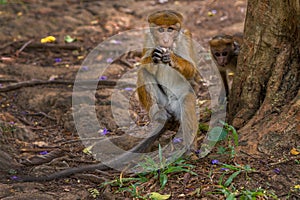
<point x="198" y="152"/>
<point x="177" y="140"/>
<point x="103" y="78"/>
<point x="224" y="169"/>
<point x="85" y="68"/>
<point x="11" y="123"/>
<point x="214" y="12"/>
<point x="43" y="152"/>
<point x="109" y="60"/>
<point x="128" y="89"/>
<point x="215" y="162"/>
<point x="57" y="59"/>
<point x="24" y="112"/>
<point x="277" y="170"/>
<point x="104" y="131"/>
<point x="14" y="178"/>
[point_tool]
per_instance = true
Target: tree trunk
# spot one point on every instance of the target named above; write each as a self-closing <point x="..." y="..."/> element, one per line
<point x="266" y="98"/>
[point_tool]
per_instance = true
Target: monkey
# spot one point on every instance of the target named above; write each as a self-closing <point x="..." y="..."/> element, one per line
<point x="224" y="51"/>
<point x="168" y="69"/>
<point x="167" y="66"/>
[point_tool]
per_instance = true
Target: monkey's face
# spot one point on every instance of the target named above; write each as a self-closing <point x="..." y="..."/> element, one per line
<point x="222" y="57"/>
<point x="165" y="35"/>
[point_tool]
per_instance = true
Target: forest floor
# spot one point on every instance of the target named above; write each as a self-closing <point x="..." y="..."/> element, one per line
<point x="37" y="129"/>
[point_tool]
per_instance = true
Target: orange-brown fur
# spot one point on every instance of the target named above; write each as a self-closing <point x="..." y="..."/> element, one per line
<point x="186" y="68"/>
<point x="231" y="45"/>
<point x="185" y="112"/>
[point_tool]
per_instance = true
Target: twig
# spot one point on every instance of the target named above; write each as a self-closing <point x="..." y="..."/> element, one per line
<point x="37" y="149"/>
<point x="8" y="80"/>
<point x="23" y="47"/>
<point x="7" y="44"/>
<point x="54" y="46"/>
<point x="42" y="114"/>
<point x="91" y="177"/>
<point x="285" y="161"/>
<point x="32" y="83"/>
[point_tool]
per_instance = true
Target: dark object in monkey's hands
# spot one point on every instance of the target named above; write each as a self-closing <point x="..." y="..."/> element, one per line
<point x="160" y="54"/>
<point x="166" y="57"/>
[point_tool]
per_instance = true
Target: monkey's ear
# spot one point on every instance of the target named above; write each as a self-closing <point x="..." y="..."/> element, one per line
<point x="236" y="48"/>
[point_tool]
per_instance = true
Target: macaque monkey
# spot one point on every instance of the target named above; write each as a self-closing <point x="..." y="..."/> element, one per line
<point x="224" y="50"/>
<point x="168" y="68"/>
<point x="163" y="88"/>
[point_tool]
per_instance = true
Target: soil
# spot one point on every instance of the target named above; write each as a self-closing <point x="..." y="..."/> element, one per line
<point x="36" y="99"/>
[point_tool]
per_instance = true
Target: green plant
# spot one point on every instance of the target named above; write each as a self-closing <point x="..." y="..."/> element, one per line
<point x="161" y="169"/>
<point x="244" y="194"/>
<point x="253" y="194"/>
<point x="203" y="127"/>
<point x="94" y="192"/>
<point x="237" y="169"/>
<point x="151" y="169"/>
<point x="134" y="191"/>
<point x="228" y="133"/>
<point x="226" y="187"/>
<point x="123" y="181"/>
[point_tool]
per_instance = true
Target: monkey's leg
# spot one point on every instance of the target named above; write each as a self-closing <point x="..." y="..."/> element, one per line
<point x="224" y="79"/>
<point x="188" y="121"/>
<point x="229" y="77"/>
<point x="152" y="96"/>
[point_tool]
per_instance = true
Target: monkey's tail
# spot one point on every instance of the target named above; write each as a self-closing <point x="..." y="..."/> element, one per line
<point x="117" y="162"/>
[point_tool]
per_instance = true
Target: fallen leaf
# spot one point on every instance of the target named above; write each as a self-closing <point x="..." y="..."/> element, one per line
<point x="294" y="152"/>
<point x="69" y="39"/>
<point x="157" y="196"/>
<point x="87" y="150"/>
<point x="48" y="39"/>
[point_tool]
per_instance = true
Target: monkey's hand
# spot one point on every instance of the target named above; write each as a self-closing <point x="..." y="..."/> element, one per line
<point x="157" y="54"/>
<point x="166" y="58"/>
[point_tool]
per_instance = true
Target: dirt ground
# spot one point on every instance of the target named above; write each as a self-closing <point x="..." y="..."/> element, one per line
<point x="37" y="116"/>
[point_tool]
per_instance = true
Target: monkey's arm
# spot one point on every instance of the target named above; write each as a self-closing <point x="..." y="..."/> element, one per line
<point x="186" y="68"/>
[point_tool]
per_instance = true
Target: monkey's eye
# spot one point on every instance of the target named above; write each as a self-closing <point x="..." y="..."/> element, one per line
<point x="217" y="54"/>
<point x="160" y="29"/>
<point x="170" y="29"/>
<point x="224" y="53"/>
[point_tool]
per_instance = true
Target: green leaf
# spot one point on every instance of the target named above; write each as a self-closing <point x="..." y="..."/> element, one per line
<point x="69" y="39"/>
<point x="230" y="179"/>
<point x="203" y="127"/>
<point x="160" y="154"/>
<point x="175" y="169"/>
<point x="163" y="179"/>
<point x="221" y="178"/>
<point x="231" y="197"/>
<point x="235" y="137"/>
<point x="217" y="134"/>
<point x="221" y="150"/>
<point x="230" y="167"/>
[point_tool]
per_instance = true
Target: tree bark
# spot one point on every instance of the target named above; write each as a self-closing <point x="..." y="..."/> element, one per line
<point x="266" y="98"/>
